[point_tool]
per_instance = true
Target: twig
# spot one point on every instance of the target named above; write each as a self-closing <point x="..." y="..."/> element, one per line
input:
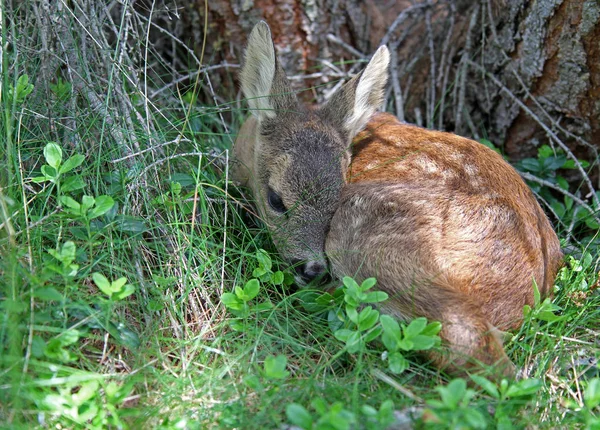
<point x="394" y="384"/>
<point x="555" y="187"/>
<point x="178" y="140"/>
<point x="444" y="71"/>
<point x="193" y="75"/>
<point x="463" y="70"/>
<point x="431" y="100"/>
<point x="399" y="100"/>
<point x="333" y="38"/>
<point x="225" y="223"/>
<point x="403" y="16"/>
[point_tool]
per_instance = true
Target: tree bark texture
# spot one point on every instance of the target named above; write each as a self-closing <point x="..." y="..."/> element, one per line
<point x="520" y="73"/>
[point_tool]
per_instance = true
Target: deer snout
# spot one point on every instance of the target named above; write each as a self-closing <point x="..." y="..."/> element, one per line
<point x="308" y="271"/>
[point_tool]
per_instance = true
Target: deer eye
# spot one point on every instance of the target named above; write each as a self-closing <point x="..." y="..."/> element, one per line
<point x="275" y="202"/>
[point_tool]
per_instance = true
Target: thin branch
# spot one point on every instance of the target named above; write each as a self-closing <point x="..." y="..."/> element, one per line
<point x="403" y="16"/>
<point x="555" y="187"/>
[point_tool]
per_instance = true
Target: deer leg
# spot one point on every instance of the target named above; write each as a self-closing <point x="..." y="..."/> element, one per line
<point x="470" y="343"/>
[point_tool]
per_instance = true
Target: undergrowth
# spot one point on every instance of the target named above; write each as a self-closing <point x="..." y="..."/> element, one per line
<point x="135" y="290"/>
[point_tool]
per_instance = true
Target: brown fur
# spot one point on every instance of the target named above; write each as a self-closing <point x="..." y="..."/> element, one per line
<point x="448" y="228"/>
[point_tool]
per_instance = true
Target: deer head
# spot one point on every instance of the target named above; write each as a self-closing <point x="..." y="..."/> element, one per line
<point x="294" y="159"/>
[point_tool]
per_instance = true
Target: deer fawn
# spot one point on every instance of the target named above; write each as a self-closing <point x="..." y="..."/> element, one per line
<point x="448" y="228"/>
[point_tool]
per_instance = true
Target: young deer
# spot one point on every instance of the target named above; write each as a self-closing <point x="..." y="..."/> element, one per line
<point x="448" y="228"/>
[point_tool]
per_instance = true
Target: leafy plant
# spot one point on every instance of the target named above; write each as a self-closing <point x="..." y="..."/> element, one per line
<point x="55" y="171"/>
<point x="454" y="410"/>
<point x="18" y="93"/>
<point x="335" y="417"/>
<point x="115" y="290"/>
<point x="509" y="397"/>
<point x="546" y="166"/>
<point x="544" y="311"/>
<point x="274" y="367"/>
<point x="238" y="302"/>
<point x="362" y="325"/>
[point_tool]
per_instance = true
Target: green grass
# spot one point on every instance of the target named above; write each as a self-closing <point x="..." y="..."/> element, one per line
<point x="168" y="355"/>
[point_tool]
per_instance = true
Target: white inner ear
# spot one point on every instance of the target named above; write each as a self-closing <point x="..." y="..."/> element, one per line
<point x="369" y="91"/>
<point x="259" y="71"/>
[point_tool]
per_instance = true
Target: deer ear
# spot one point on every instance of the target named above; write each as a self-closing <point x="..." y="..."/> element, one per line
<point x="264" y="83"/>
<point x="354" y="104"/>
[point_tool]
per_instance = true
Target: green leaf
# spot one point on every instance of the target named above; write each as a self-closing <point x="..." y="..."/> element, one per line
<point x="87" y="202"/>
<point x="319" y="405"/>
<point x="232" y="301"/>
<point x="126" y="291"/>
<point x="275" y="367"/>
<point x="53" y="155"/>
<point x="102" y="283"/>
<point x="49" y="173"/>
<point x="555" y="162"/>
<point x="299" y="416"/>
<point x="71" y="203"/>
<point x="354" y="343"/>
<point x="391" y="332"/>
<point x="103" y="205"/>
<point x="406" y="344"/>
<point x="397" y="363"/>
<point x="128" y="337"/>
<point x="72" y="183"/>
<point x="118" y="284"/>
<point x="422" y="343"/>
<point x="67" y="252"/>
<point x="54" y="350"/>
<point x="367" y="284"/>
<point x="23" y="89"/>
<point x="71" y="163"/>
<point x="277" y="278"/>
<point x="562" y="182"/>
<point x="453" y="393"/>
<point x="415" y="327"/>
<point x="86" y="391"/>
<point x="389" y="324"/>
<point x="130" y="224"/>
<point x="263" y="259"/>
<point x="47" y="294"/>
<point x="545" y="151"/>
<point x="475" y="419"/>
<point x="343" y="334"/>
<point x="487" y="385"/>
<point x="350" y="283"/>
<point x="367" y="318"/>
<point x="524" y="387"/>
<point x="251" y="289"/>
<point x="352" y="314"/>
<point x="591" y="395"/>
<point x="432" y="329"/>
<point x="375" y="297"/>
<point x="530" y="164"/>
<point x="253" y="382"/>
<point x="258" y="272"/>
<point x="69" y="337"/>
<point x="373" y="334"/>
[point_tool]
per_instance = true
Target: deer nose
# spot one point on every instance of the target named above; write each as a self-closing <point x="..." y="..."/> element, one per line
<point x="309" y="270"/>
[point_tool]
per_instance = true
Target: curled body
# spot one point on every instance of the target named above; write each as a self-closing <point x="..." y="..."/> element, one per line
<point x="448" y="228"/>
